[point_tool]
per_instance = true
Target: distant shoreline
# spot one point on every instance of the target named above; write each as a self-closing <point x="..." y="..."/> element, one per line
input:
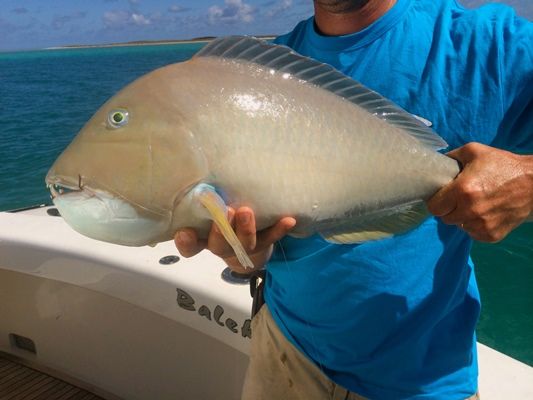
<point x="205" y="39"/>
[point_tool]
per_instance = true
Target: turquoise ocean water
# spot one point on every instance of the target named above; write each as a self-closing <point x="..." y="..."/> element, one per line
<point x="47" y="96"/>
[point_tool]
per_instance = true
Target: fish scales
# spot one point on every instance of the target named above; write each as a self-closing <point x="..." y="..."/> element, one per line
<point x="307" y="151"/>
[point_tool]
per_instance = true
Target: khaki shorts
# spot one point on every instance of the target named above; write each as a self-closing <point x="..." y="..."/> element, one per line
<point x="277" y="370"/>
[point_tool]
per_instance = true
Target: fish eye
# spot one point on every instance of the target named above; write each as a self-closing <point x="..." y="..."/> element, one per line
<point x="117" y="118"/>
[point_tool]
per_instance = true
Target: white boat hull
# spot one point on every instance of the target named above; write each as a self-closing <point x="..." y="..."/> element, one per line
<point x="117" y="322"/>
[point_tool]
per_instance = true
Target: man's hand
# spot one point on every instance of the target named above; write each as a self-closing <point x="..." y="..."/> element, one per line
<point x="491" y="196"/>
<point x="258" y="245"/>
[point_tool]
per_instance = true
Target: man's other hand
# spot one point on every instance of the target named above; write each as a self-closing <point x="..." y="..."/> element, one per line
<point x="492" y="194"/>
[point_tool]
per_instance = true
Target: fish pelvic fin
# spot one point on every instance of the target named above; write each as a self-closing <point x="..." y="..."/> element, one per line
<point x="378" y="225"/>
<point x="281" y="59"/>
<point x="217" y="209"/>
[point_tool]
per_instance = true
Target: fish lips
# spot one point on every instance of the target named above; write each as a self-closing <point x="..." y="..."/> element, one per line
<point x="103" y="216"/>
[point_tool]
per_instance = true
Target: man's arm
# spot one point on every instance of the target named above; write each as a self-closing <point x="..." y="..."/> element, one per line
<point x="491" y="196"/>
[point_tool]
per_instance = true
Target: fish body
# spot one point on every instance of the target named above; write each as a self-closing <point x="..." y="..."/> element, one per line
<point x="249" y="123"/>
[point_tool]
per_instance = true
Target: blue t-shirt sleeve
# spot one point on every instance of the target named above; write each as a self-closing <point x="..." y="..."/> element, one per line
<point x="514" y="37"/>
<point x="488" y="63"/>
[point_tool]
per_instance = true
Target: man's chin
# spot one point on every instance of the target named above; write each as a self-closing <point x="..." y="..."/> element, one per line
<point x="342" y="6"/>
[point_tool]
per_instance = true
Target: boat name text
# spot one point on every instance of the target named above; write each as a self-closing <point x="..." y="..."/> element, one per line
<point x="187" y="302"/>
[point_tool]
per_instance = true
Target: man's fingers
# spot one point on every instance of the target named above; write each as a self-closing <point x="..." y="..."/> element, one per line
<point x="466" y="153"/>
<point x="187" y="242"/>
<point x="243" y="221"/>
<point x="488" y="231"/>
<point x="443" y="202"/>
<point x="245" y="228"/>
<point x="456" y="217"/>
<point x="277" y="231"/>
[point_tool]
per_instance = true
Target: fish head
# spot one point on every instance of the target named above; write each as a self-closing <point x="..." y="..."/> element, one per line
<point x="121" y="177"/>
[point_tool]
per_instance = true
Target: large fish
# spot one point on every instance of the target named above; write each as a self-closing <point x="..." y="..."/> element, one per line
<point x="245" y="122"/>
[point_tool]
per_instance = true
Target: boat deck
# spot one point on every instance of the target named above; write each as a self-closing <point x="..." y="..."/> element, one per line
<point x="20" y="382"/>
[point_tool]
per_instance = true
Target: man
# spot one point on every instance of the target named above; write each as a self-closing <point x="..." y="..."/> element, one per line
<point x="395" y="318"/>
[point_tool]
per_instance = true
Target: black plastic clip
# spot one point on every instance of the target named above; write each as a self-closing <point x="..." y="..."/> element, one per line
<point x="257" y="283"/>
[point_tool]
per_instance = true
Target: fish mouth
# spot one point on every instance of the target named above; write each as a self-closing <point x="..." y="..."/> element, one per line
<point x="62" y="187"/>
<point x="67" y="187"/>
<point x="66" y="193"/>
<point x="102" y="215"/>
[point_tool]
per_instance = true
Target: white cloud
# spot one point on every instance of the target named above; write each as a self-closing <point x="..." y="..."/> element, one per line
<point x="115" y="18"/>
<point x="232" y="12"/>
<point x="278" y="8"/>
<point x="120" y="18"/>
<point x="139" y="19"/>
<point x="177" y="9"/>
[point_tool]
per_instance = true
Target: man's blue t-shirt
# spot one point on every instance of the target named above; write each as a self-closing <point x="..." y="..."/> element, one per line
<point x="395" y="318"/>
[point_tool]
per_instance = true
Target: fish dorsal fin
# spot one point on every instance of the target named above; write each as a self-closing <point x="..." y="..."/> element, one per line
<point x="283" y="59"/>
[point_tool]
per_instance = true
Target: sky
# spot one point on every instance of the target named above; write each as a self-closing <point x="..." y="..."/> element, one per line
<point x="34" y="24"/>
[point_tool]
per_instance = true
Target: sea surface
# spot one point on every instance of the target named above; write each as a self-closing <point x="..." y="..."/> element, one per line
<point x="46" y="97"/>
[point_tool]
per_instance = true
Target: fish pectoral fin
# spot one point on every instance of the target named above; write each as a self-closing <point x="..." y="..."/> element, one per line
<point x="356" y="237"/>
<point x="217" y="209"/>
<point x="377" y="225"/>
